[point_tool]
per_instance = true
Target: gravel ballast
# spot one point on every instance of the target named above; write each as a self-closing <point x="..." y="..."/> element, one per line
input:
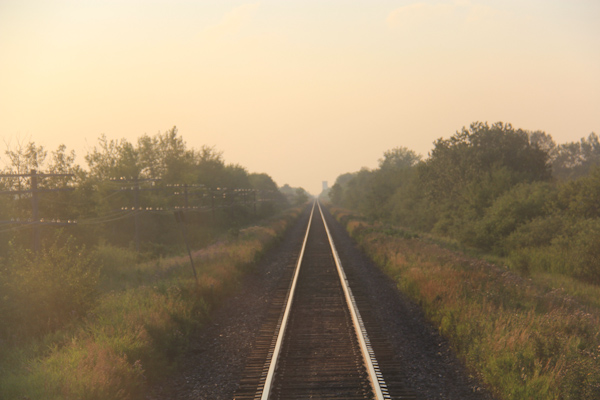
<point x="215" y="361"/>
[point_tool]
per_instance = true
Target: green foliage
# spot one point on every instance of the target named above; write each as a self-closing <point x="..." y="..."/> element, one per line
<point x="114" y="262"/>
<point x="491" y="188"/>
<point x="262" y="182"/>
<point x="581" y="198"/>
<point x="301" y="196"/>
<point x="525" y="340"/>
<point x="472" y="157"/>
<point x="294" y="196"/>
<point x="575" y="159"/>
<point x="24" y="157"/>
<point x="516" y="207"/>
<point x="140" y="325"/>
<point x="43" y="292"/>
<point x="578" y="250"/>
<point x="538" y="232"/>
<point x="102" y="198"/>
<point x="399" y="158"/>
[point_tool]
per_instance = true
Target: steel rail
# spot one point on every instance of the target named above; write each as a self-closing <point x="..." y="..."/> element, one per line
<point x="377" y="381"/>
<point x="290" y="298"/>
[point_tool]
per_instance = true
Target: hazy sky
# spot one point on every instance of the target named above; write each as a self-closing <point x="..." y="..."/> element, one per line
<point x="302" y="90"/>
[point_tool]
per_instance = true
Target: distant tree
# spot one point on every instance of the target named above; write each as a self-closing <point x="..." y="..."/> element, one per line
<point x="113" y="159"/>
<point x="581" y="197"/>
<point x="575" y="159"/>
<point x="345" y="178"/>
<point x="235" y="176"/>
<point x="262" y="182"/>
<point x="165" y="156"/>
<point x="336" y="194"/>
<point x="210" y="167"/>
<point x="23" y="157"/>
<point x="370" y="191"/>
<point x="398" y="158"/>
<point x="301" y="196"/>
<point x="496" y="157"/>
<point x="542" y="140"/>
<point x="294" y="195"/>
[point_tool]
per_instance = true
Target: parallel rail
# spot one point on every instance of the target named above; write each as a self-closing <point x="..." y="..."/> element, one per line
<point x="282" y="328"/>
<point x="315" y="343"/>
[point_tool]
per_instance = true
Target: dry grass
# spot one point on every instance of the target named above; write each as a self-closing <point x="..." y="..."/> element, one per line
<point x="138" y="329"/>
<point x="525" y="339"/>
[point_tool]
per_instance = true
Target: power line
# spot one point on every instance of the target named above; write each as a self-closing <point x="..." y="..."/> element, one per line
<point x="33" y="176"/>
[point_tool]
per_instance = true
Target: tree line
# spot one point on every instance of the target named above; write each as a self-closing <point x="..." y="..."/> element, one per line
<point x="125" y="202"/>
<point x="123" y="181"/>
<point x="509" y="192"/>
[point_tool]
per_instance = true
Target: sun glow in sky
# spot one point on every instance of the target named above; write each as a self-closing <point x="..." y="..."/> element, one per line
<point x="302" y="90"/>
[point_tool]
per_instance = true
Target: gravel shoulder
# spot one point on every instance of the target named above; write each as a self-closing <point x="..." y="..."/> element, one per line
<point x="216" y="358"/>
<point x="431" y="369"/>
<point x="215" y="361"/>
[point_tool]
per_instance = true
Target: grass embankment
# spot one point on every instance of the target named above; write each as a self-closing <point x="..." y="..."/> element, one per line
<point x="139" y="326"/>
<point x="534" y="338"/>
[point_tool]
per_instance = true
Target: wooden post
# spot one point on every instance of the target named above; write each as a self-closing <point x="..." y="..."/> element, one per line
<point x="35" y="211"/>
<point x="136" y="216"/>
<point x="180" y="218"/>
<point x="185" y="192"/>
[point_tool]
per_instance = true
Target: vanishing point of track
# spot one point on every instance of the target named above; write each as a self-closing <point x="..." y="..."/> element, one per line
<point x="315" y="344"/>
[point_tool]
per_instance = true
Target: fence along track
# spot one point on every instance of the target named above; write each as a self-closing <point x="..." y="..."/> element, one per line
<point x="321" y="349"/>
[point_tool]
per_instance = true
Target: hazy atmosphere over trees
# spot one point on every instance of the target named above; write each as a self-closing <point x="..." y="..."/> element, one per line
<point x="497" y="188"/>
<point x="154" y="153"/>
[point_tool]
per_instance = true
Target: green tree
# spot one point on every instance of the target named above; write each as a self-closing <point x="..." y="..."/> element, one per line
<point x="575" y="159"/>
<point x="24" y="157"/>
<point x="165" y="156"/>
<point x="262" y="182"/>
<point x="210" y="167"/>
<point x="496" y="157"/>
<point x="580" y="198"/>
<point x="399" y="158"/>
<point x="113" y="159"/>
<point x="301" y="196"/>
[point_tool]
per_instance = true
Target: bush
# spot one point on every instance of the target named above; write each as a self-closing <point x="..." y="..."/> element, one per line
<point x="574" y="251"/>
<point x="518" y="206"/>
<point x="111" y="259"/>
<point x="581" y="246"/>
<point x="42" y="292"/>
<point x="536" y="233"/>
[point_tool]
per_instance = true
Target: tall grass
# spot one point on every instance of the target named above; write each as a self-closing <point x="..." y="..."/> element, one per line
<point x="139" y="326"/>
<point x="526" y="339"/>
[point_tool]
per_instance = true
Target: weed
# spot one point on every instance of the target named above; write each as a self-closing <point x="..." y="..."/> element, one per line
<point x="525" y="337"/>
<point x="139" y="325"/>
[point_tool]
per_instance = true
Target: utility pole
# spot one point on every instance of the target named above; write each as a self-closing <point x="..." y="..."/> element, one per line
<point x="35" y="210"/>
<point x="180" y="218"/>
<point x="33" y="176"/>
<point x="136" y="216"/>
<point x="254" y="201"/>
<point x="136" y="202"/>
<point x="189" y="190"/>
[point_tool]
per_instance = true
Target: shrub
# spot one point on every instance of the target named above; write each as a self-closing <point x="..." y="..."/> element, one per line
<point x="535" y="233"/>
<point x="42" y="292"/>
<point x="580" y="250"/>
<point x="515" y="208"/>
<point x="524" y="340"/>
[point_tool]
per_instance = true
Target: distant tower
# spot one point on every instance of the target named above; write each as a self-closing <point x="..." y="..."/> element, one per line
<point x="325" y="186"/>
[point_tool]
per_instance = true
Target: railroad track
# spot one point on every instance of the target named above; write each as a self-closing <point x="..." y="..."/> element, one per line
<point x="315" y="344"/>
